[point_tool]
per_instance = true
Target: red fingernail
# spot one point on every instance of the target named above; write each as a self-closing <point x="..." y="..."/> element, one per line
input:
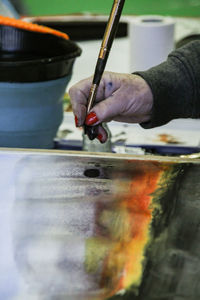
<point x="100" y="136"/>
<point x="76" y="121"/>
<point x="91" y="118"/>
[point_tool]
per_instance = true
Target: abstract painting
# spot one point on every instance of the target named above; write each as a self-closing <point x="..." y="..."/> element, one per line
<point x="81" y="226"/>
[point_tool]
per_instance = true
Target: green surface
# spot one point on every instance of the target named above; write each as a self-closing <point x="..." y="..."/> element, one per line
<point x="135" y="7"/>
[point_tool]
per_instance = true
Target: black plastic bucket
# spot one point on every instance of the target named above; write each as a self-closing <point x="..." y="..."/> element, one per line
<point x="28" y="56"/>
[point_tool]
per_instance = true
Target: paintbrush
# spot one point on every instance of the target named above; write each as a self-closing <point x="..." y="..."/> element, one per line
<point x="109" y="35"/>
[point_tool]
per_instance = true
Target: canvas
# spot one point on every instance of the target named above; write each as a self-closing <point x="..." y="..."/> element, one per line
<point x="83" y="226"/>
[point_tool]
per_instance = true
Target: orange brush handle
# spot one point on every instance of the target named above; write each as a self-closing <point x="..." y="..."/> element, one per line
<point x="31" y="27"/>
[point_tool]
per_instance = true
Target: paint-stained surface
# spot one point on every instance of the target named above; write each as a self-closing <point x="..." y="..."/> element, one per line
<point x="88" y="227"/>
<point x="123" y="225"/>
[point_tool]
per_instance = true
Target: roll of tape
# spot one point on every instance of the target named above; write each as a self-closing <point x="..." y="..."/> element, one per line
<point x="151" y="40"/>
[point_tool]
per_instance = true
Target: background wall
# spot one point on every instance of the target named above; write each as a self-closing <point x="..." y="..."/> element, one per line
<point x="136" y="7"/>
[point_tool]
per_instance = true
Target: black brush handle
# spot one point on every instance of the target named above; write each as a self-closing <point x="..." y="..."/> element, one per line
<point x="106" y="45"/>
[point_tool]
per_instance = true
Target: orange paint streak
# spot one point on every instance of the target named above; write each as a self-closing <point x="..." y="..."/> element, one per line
<point x="123" y="265"/>
<point x="140" y="190"/>
<point x="31" y="27"/>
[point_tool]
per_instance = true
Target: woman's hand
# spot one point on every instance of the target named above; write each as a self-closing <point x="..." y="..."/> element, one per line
<point x="120" y="97"/>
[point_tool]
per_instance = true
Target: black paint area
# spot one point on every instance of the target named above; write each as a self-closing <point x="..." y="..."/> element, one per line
<point x="92" y="173"/>
<point x="91" y="131"/>
<point x="110" y="84"/>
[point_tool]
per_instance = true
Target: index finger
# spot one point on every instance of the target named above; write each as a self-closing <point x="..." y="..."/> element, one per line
<point x="79" y="94"/>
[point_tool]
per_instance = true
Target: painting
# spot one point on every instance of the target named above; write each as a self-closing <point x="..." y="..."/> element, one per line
<point x="85" y="226"/>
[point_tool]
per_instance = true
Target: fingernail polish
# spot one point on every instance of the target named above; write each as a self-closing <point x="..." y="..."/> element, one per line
<point x="100" y="136"/>
<point x="76" y="121"/>
<point x="91" y="118"/>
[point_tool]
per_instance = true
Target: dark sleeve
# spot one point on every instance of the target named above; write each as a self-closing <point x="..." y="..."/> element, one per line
<point x="175" y="85"/>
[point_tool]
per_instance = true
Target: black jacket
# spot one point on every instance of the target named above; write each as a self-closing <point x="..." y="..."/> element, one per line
<point x="175" y="85"/>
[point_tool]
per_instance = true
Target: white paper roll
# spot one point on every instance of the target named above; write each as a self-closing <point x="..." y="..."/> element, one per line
<point x="151" y="40"/>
